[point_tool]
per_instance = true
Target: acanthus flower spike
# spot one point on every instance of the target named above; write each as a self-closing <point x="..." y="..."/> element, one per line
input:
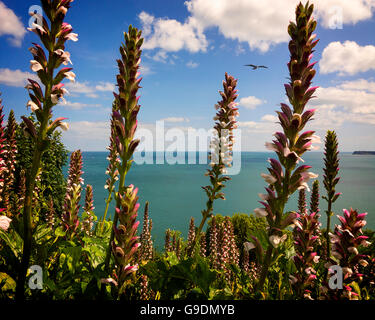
<point x="347" y="240"/>
<point x="124" y="120"/>
<point x="42" y="102"/>
<point x="221" y="149"/>
<point x="285" y="177"/>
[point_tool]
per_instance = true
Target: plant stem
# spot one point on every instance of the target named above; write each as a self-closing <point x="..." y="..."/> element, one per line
<point x="115" y="219"/>
<point x="206" y="214"/>
<point x="108" y="201"/>
<point x="27" y="217"/>
<point x="329" y="214"/>
<point x="265" y="267"/>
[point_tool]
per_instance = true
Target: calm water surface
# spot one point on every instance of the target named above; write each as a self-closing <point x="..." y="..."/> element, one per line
<point x="175" y="193"/>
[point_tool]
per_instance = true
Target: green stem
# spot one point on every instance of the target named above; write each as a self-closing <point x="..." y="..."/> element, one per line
<point x="30" y="181"/>
<point x="206" y="214"/>
<point x="329" y="214"/>
<point x="27" y="216"/>
<point x="108" y="201"/>
<point x="115" y="219"/>
<point x="265" y="267"/>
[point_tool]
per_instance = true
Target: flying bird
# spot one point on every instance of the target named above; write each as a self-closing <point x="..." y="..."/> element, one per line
<point x="255" y="67"/>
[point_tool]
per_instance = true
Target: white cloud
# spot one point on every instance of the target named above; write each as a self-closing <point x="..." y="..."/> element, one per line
<point x="78" y="105"/>
<point x="172" y="35"/>
<point x="15" y="78"/>
<point x="347" y="58"/>
<point x="175" y="119"/>
<point x="251" y="102"/>
<point x="90" y="91"/>
<point x="11" y="25"/>
<point x="160" y="56"/>
<point x="270" y="118"/>
<point x="349" y="95"/>
<point x="145" y="70"/>
<point x="87" y="135"/>
<point x="192" y="64"/>
<point x="105" y="86"/>
<point x="260" y="24"/>
<point x="359" y="84"/>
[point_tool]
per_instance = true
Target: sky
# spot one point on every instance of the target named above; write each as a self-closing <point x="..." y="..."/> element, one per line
<point x="189" y="45"/>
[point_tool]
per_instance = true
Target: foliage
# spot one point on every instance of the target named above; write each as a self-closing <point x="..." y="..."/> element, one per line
<point x="52" y="180"/>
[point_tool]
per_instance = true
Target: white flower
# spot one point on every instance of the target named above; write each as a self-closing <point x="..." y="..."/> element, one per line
<point x="308" y="175"/>
<point x="64" y="55"/>
<point x="64" y="126"/>
<point x="109" y="280"/>
<point x="263" y="196"/>
<point x="64" y="91"/>
<point x="33" y="106"/>
<point x="271" y="146"/>
<point x="268" y="178"/>
<point x="304" y="185"/>
<point x="36" y="26"/>
<point x="353" y="250"/>
<point x="54" y="98"/>
<point x="316" y="259"/>
<point x="70" y="75"/>
<point x="276" y="240"/>
<point x="260" y="212"/>
<point x="315" y="139"/>
<point x="347" y="270"/>
<point x="365" y="243"/>
<point x="35" y="66"/>
<point x="297" y="224"/>
<point x="309" y="270"/>
<point x="363" y="263"/>
<point x="248" y="246"/>
<point x="4" y="223"/>
<point x="72" y="36"/>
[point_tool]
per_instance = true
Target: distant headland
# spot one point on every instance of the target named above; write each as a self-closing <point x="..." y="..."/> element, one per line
<point x="364" y="152"/>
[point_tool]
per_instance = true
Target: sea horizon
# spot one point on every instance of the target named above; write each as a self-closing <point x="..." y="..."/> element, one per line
<point x="175" y="194"/>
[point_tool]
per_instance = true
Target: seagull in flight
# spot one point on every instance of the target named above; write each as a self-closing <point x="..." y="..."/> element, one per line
<point x="255" y="67"/>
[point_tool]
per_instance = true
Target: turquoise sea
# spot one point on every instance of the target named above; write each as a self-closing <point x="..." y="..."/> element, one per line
<point x="175" y="193"/>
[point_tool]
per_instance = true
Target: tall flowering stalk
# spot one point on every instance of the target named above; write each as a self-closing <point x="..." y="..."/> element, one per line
<point x="146" y="251"/>
<point x="314" y="200"/>
<point x="284" y="178"/>
<point x="233" y="249"/>
<point x="346" y="240"/>
<point x="306" y="236"/>
<point x="202" y="245"/>
<point x="51" y="213"/>
<point x="45" y="62"/>
<point x="126" y="243"/>
<point x="214" y="244"/>
<point x="302" y="207"/>
<point x="3" y="167"/>
<point x="125" y="125"/>
<point x="227" y="249"/>
<point x="222" y="145"/>
<point x="70" y="217"/>
<point x="167" y="243"/>
<point x="112" y="170"/>
<point x="191" y="237"/>
<point x="10" y="156"/>
<point x="331" y="169"/>
<point x="88" y="216"/>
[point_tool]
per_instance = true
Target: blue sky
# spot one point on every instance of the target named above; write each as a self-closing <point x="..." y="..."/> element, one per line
<point x="189" y="45"/>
